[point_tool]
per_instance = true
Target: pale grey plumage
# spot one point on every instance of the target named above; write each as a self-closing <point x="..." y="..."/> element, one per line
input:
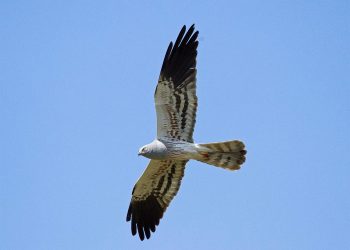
<point x="163" y="148"/>
<point x="176" y="105"/>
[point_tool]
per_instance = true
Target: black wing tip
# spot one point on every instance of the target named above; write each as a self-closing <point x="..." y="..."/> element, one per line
<point x="128" y="215"/>
<point x="183" y="29"/>
<point x="145" y="216"/>
<point x="180" y="57"/>
<point x="185" y="36"/>
<point x="191" y="27"/>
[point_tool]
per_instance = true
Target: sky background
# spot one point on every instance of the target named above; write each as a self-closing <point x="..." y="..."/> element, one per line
<point x="76" y="102"/>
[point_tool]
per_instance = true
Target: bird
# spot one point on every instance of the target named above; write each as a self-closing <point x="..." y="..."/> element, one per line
<point x="176" y="106"/>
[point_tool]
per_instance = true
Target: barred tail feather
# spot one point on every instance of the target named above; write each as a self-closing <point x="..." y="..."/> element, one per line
<point x="229" y="154"/>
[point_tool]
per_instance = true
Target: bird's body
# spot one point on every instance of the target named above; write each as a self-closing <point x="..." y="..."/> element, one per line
<point x="176" y="105"/>
<point x="161" y="149"/>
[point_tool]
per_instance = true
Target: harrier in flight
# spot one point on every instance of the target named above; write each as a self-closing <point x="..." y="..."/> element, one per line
<point x="176" y="105"/>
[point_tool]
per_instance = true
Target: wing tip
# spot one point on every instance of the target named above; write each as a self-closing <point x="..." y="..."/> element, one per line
<point x="180" y="57"/>
<point x="145" y="216"/>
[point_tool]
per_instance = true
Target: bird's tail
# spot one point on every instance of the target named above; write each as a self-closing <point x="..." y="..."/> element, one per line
<point x="229" y="154"/>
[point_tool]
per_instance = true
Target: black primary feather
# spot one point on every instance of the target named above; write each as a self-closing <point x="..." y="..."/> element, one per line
<point x="180" y="59"/>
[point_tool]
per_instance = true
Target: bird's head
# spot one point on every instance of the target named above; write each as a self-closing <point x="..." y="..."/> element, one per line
<point x="143" y="150"/>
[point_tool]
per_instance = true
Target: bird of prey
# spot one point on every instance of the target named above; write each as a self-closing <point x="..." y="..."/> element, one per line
<point x="176" y="105"/>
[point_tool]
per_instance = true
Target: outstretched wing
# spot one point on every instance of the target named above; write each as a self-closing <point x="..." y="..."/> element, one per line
<point x="152" y="194"/>
<point x="175" y="95"/>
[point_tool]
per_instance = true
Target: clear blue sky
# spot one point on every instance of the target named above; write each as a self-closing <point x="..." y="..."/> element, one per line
<point x="76" y="99"/>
